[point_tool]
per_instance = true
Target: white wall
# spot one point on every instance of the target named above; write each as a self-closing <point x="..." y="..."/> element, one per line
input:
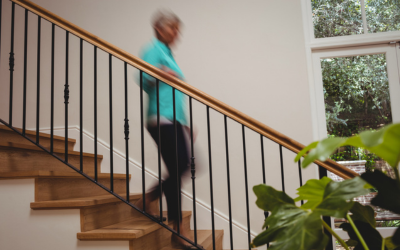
<point x="249" y="54"/>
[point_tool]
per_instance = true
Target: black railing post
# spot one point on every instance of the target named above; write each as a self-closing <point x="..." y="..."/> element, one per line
<point x="159" y="145"/>
<point x="81" y="105"/>
<point x="300" y="177"/>
<point x="142" y="142"/>
<point x="282" y="172"/>
<point x="193" y="171"/>
<point x="211" y="179"/>
<point x="178" y="190"/>
<point x="246" y="185"/>
<point x="126" y="131"/>
<point x="66" y="93"/>
<point x="95" y="113"/>
<point x="323" y="172"/>
<point x="52" y="90"/>
<point x="111" y="124"/>
<point x="229" y="181"/>
<point x="25" y="69"/>
<point x="11" y="64"/>
<point x="38" y="81"/>
<point x="266" y="213"/>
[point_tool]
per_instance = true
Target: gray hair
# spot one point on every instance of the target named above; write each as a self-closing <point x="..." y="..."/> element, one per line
<point x="163" y="18"/>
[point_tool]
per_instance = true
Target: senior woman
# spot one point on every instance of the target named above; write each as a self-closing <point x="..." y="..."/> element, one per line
<point x="158" y="53"/>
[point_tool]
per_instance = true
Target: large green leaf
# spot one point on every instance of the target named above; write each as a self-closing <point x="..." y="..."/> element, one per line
<point x="370" y="235"/>
<point x="312" y="192"/>
<point x="388" y="190"/>
<point x="290" y="227"/>
<point x="323" y="150"/>
<point x="396" y="237"/>
<point x="363" y="213"/>
<point x="385" y="143"/>
<point x="337" y="194"/>
<point x="268" y="198"/>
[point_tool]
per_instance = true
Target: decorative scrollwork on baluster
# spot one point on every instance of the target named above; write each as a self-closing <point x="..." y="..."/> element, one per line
<point x="66" y="93"/>
<point x="126" y="129"/>
<point x="11" y="61"/>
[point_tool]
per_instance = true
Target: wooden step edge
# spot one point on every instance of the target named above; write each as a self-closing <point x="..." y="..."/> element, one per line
<point x="80" y="202"/>
<point x="36" y="148"/>
<point x="31" y="132"/>
<point x="55" y="174"/>
<point x="118" y="232"/>
<point x="208" y="242"/>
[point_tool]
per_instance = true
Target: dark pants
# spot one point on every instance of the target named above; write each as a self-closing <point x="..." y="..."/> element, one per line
<point x="171" y="186"/>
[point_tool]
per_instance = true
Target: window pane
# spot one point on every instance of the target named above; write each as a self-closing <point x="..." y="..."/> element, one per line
<point x="336" y="17"/>
<point x="382" y="15"/>
<point x="356" y="93"/>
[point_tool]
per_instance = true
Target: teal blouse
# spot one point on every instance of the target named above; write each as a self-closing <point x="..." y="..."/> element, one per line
<point x="158" y="54"/>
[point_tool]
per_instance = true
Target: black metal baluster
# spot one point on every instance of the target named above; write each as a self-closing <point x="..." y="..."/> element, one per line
<point x="11" y="63"/>
<point x="81" y="105"/>
<point x="178" y="191"/>
<point x="266" y="213"/>
<point x="66" y="93"/>
<point x="159" y="145"/>
<point x="142" y="142"/>
<point x="323" y="172"/>
<point x="300" y="178"/>
<point x="211" y="179"/>
<point x="193" y="170"/>
<point x="111" y="125"/>
<point x="38" y="80"/>
<point x="246" y="185"/>
<point x="282" y="174"/>
<point x="126" y="131"/>
<point x="25" y="76"/>
<point x="229" y="181"/>
<point x="52" y="90"/>
<point x="95" y="113"/>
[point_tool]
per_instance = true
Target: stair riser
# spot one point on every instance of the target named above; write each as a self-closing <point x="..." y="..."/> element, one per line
<point x="104" y="215"/>
<point x="11" y="136"/>
<point x="14" y="159"/>
<point x="65" y="188"/>
<point x="157" y="239"/>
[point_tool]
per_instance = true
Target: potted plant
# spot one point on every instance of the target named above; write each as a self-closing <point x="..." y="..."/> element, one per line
<point x="301" y="227"/>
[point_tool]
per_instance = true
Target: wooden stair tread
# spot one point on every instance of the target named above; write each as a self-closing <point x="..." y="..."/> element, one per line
<point x="31" y="132"/>
<point x="204" y="238"/>
<point x="55" y="174"/>
<point x="80" y="202"/>
<point x="36" y="148"/>
<point x="126" y="230"/>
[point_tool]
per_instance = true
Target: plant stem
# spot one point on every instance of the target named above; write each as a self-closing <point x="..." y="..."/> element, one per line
<point x="383" y="243"/>
<point x="357" y="232"/>
<point x="341" y="241"/>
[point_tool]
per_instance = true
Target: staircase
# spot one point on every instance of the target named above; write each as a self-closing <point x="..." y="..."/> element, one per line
<point x="103" y="217"/>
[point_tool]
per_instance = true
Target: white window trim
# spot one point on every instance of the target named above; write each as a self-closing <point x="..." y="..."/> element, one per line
<point x="342" y="41"/>
<point x="313" y="45"/>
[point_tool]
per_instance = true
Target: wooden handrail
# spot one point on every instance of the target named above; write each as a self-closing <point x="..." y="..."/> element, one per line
<point x="183" y="87"/>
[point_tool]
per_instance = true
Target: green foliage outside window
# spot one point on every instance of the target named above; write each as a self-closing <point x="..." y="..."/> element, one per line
<point x="343" y="17"/>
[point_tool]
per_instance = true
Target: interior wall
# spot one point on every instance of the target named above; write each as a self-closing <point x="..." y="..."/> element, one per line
<point x="250" y="55"/>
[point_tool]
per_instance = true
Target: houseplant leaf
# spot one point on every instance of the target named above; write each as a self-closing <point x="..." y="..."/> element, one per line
<point x="385" y="143"/>
<point x="388" y="196"/>
<point x="312" y="192"/>
<point x="290" y="227"/>
<point x="268" y="198"/>
<point x="371" y="236"/>
<point x="390" y="245"/>
<point x="363" y="213"/>
<point x="337" y="194"/>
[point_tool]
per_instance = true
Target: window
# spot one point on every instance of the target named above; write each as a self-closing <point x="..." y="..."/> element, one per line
<point x="333" y="18"/>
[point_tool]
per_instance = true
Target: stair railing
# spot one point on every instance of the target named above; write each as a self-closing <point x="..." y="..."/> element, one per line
<point x="176" y="84"/>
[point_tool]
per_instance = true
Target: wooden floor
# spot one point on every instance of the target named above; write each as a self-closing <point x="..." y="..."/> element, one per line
<point x="102" y="215"/>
